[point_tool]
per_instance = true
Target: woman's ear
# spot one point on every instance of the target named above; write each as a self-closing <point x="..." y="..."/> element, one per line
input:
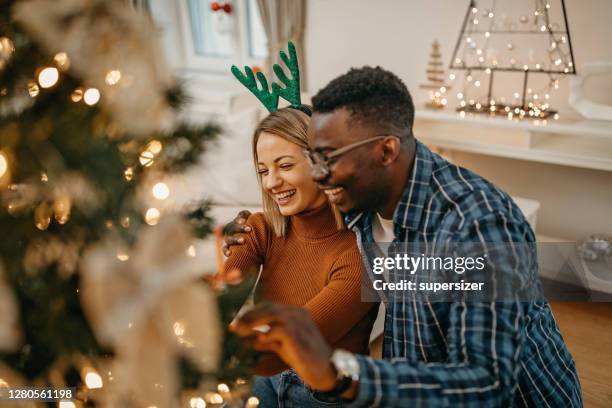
<point x="390" y="150"/>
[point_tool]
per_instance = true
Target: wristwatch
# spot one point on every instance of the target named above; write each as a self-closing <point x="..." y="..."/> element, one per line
<point x="347" y="368"/>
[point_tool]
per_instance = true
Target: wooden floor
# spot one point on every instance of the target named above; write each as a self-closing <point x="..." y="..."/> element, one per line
<point x="587" y="331"/>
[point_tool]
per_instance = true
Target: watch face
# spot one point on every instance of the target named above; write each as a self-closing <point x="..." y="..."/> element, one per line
<point x="346" y="364"/>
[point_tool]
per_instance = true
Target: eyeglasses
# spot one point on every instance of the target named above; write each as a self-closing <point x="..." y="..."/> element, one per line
<point x="321" y="161"/>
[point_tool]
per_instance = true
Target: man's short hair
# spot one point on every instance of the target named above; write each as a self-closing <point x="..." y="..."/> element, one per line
<point x="373" y="96"/>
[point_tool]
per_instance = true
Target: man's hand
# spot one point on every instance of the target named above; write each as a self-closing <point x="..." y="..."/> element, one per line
<point x="232" y="229"/>
<point x="290" y="332"/>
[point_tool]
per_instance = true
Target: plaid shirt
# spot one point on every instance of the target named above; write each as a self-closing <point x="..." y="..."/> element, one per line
<point x="439" y="354"/>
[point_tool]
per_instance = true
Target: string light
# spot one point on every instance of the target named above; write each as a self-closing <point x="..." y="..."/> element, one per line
<point x="93" y="381"/>
<point x="155" y="147"/>
<point x="161" y="191"/>
<point x="128" y="174"/>
<point x="252" y="402"/>
<point x="6" y="49"/>
<point x="62" y="61"/>
<point x="113" y="77"/>
<point x="152" y="216"/>
<point x="122" y="256"/>
<point x="451" y="77"/>
<point x="197" y="402"/>
<point x="91" y="96"/>
<point x="191" y="251"/>
<point x="48" y="77"/>
<point x="33" y="89"/>
<point x="213" y="398"/>
<point x="146" y="158"/>
<point x="3" y="164"/>
<point x="77" y="95"/>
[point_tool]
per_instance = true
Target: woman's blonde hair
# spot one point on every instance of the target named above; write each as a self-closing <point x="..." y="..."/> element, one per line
<point x="292" y="125"/>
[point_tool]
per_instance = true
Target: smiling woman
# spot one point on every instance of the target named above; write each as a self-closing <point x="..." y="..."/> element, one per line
<point x="284" y="172"/>
<point x="308" y="258"/>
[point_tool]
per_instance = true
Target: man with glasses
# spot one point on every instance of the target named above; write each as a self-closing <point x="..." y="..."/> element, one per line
<point x="392" y="188"/>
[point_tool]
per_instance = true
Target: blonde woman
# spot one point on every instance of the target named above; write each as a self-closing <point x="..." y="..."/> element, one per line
<point x="308" y="258"/>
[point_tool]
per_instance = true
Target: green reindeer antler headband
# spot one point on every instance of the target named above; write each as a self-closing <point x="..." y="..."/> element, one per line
<point x="291" y="91"/>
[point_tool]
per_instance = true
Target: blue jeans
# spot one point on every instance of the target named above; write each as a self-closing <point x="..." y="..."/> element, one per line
<point x="286" y="390"/>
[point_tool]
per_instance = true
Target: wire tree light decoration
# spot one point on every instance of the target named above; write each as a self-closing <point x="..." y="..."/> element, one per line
<point x="495" y="40"/>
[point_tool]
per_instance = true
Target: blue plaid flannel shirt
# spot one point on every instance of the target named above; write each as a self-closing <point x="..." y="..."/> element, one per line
<point x="435" y="354"/>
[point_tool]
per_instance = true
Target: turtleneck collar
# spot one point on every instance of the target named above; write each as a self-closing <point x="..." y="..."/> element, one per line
<point x="315" y="223"/>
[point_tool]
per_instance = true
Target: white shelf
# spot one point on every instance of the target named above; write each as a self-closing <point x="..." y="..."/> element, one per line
<point x="563" y="126"/>
<point x="579" y="143"/>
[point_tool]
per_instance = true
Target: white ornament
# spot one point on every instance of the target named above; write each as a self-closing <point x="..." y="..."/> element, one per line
<point x="151" y="307"/>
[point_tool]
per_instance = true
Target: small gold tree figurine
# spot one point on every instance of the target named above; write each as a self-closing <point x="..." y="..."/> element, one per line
<point x="435" y="79"/>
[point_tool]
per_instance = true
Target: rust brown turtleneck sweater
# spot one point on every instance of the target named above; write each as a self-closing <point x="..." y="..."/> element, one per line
<point x="315" y="266"/>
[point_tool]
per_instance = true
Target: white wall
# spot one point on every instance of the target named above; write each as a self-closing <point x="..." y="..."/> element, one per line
<point x="397" y="35"/>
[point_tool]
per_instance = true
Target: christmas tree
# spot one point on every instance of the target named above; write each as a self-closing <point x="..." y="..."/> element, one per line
<point x="98" y="288"/>
<point x="435" y="78"/>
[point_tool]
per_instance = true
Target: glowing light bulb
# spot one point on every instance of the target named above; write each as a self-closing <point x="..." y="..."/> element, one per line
<point x="66" y="404"/>
<point x="33" y="89"/>
<point x="146" y="158"/>
<point x="451" y="77"/>
<point x="62" y="60"/>
<point x="477" y="84"/>
<point x="48" y="77"/>
<point x="223" y="388"/>
<point x="152" y="216"/>
<point x="91" y="96"/>
<point x="93" y="380"/>
<point x="487" y="34"/>
<point x="214" y="398"/>
<point x="128" y="174"/>
<point x="474" y="10"/>
<point x="3" y="164"/>
<point x="191" y="251"/>
<point x="154" y="146"/>
<point x="488" y="71"/>
<point x="112" y="77"/>
<point x="460" y="95"/>
<point x="122" y="256"/>
<point x="197" y="403"/>
<point x="252" y="402"/>
<point x="77" y="95"/>
<point x="161" y="191"/>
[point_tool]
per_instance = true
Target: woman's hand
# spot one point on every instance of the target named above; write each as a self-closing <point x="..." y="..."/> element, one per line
<point x="232" y="230"/>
